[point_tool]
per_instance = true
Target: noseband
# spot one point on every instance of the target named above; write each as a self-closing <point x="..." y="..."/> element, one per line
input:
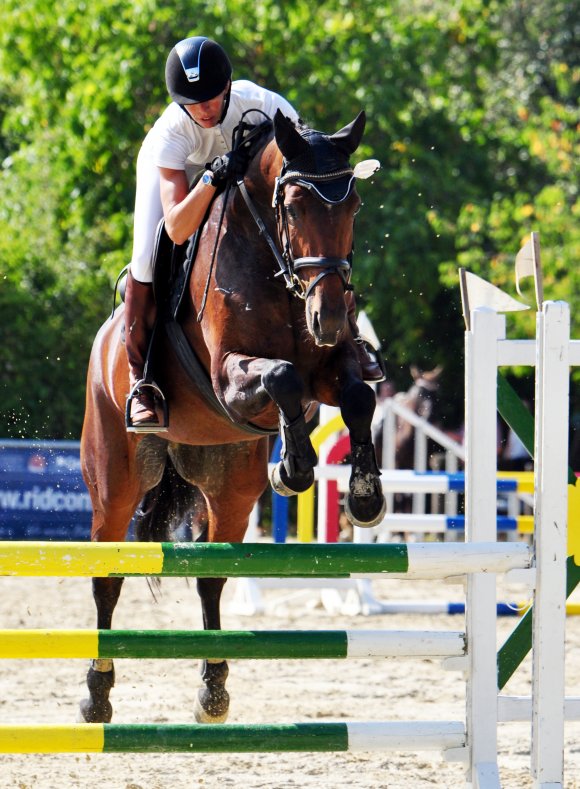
<point x="287" y="263"/>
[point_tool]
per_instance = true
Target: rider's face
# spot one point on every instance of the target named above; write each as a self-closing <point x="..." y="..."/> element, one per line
<point x="208" y="113"/>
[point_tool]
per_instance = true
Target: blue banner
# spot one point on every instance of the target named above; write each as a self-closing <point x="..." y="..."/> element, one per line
<point x="42" y="493"/>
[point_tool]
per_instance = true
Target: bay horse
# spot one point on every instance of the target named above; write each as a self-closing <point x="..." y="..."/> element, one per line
<point x="420" y="399"/>
<point x="264" y="311"/>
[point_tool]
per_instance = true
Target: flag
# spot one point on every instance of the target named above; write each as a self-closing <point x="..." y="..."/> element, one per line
<point x="477" y="292"/>
<point x="528" y="265"/>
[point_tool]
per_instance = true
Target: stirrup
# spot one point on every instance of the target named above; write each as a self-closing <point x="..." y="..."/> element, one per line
<point x="161" y="427"/>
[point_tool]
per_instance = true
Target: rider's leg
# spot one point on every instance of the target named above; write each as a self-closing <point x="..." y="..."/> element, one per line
<point x="140" y="306"/>
<point x="371" y="369"/>
<point x="140" y="314"/>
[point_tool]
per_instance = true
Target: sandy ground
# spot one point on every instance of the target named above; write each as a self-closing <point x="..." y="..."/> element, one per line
<point x="48" y="691"/>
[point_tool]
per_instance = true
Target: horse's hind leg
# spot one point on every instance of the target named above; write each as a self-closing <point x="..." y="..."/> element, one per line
<point x="232" y="478"/>
<point x="101" y="676"/>
<point x="115" y="496"/>
<point x="213" y="700"/>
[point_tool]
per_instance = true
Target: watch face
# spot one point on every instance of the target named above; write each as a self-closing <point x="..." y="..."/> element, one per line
<point x="206" y="178"/>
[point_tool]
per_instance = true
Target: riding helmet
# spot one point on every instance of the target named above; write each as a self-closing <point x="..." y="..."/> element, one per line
<point x="197" y="69"/>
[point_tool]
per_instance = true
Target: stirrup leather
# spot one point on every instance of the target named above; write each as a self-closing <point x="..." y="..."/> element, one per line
<point x="147" y="427"/>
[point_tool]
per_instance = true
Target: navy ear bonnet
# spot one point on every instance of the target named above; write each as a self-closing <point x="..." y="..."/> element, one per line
<point x="324" y="158"/>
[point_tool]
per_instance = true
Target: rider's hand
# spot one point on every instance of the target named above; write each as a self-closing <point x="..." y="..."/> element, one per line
<point x="229" y="167"/>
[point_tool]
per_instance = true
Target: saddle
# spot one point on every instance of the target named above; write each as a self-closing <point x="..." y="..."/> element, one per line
<point x="172" y="264"/>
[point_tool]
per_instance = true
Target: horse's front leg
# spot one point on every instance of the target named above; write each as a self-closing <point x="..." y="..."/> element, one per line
<point x="295" y="471"/>
<point x="365" y="504"/>
<point x="249" y="385"/>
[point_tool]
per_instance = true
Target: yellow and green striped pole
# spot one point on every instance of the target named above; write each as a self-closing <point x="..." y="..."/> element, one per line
<point x="262" y="560"/>
<point x="231" y="738"/>
<point x="200" y="560"/>
<point x="226" y="644"/>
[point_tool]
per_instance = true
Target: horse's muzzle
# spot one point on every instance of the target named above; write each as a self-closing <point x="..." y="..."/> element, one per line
<point x="325" y="328"/>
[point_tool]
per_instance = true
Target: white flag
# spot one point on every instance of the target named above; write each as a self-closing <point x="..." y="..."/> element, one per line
<point x="524" y="264"/>
<point x="528" y="265"/>
<point x="477" y="292"/>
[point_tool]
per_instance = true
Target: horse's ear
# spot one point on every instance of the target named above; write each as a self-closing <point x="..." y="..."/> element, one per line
<point x="288" y="138"/>
<point x="348" y="139"/>
<point x="434" y="374"/>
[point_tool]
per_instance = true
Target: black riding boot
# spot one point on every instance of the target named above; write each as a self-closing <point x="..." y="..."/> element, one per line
<point x="372" y="371"/>
<point x="140" y="314"/>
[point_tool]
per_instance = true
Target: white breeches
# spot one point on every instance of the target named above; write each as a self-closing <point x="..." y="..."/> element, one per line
<point x="148" y="212"/>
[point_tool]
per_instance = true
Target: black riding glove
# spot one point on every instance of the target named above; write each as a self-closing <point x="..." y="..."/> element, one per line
<point x="229" y="167"/>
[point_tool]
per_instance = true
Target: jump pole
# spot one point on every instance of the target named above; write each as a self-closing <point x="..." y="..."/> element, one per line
<point x="228" y="644"/>
<point x="261" y="560"/>
<point x="232" y="738"/>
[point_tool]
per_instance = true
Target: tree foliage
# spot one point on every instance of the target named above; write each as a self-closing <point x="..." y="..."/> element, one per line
<point x="472" y="110"/>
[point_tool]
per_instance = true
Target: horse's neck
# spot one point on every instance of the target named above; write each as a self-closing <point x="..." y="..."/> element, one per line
<point x="410" y="399"/>
<point x="262" y="173"/>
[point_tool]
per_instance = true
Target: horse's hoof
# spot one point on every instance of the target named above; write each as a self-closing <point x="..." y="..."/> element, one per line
<point x="95" y="713"/>
<point x="212" y="707"/>
<point x="366" y="511"/>
<point x="282" y="484"/>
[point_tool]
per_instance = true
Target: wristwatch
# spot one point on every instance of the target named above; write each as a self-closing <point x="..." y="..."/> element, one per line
<point x="207" y="178"/>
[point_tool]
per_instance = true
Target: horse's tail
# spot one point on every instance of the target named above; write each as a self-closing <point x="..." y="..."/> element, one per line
<point x="171" y="504"/>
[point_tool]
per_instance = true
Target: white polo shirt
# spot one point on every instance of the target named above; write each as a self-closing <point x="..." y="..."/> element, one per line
<point x="177" y="142"/>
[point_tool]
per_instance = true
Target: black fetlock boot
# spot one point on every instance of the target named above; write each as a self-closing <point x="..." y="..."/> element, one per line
<point x="295" y="472"/>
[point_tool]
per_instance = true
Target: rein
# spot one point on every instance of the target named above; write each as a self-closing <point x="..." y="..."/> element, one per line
<point x="285" y="270"/>
<point x="252" y="140"/>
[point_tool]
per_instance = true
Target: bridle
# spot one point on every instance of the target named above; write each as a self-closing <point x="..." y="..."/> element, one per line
<point x="251" y="137"/>
<point x="329" y="265"/>
<point x="288" y="264"/>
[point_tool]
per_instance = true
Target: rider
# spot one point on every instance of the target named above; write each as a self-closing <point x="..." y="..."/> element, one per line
<point x="196" y="128"/>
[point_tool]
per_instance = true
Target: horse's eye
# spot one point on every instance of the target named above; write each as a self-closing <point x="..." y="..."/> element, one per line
<point x="291" y="211"/>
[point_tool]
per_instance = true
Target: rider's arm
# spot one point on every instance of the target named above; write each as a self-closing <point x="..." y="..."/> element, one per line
<point x="183" y="210"/>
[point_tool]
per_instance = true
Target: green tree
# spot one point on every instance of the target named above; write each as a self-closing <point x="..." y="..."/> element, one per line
<point x="472" y="111"/>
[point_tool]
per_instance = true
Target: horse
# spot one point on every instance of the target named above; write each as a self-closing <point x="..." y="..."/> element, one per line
<point x="420" y="399"/>
<point x="264" y="313"/>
